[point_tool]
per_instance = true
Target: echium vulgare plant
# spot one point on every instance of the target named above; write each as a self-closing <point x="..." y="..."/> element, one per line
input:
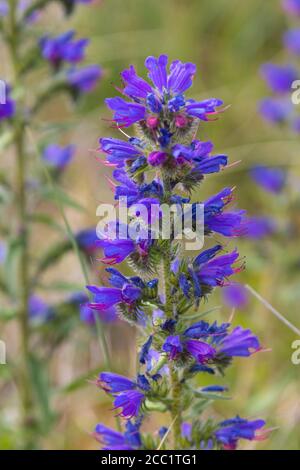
<point x="164" y="163"/>
<point x="29" y="188"/>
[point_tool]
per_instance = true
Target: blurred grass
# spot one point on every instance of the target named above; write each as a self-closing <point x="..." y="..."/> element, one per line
<point x="228" y="40"/>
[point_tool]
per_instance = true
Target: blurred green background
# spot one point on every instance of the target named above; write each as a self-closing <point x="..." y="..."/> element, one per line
<point x="228" y="40"/>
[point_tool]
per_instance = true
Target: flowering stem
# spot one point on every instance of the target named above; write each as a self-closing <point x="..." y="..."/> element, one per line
<point x="26" y="389"/>
<point x="171" y="313"/>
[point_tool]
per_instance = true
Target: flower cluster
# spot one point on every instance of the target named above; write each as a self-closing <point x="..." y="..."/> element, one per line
<point x="164" y="164"/>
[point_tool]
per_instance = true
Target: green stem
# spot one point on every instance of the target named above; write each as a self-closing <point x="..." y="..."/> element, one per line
<point x="171" y="313"/>
<point x="23" y="275"/>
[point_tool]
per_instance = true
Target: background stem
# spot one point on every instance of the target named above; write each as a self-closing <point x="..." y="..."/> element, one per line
<point x="23" y="275"/>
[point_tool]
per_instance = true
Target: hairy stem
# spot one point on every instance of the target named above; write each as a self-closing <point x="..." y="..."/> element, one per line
<point x="171" y="313"/>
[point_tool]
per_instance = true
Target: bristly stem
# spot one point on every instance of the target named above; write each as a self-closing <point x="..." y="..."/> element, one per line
<point x="170" y="312"/>
<point x="25" y="380"/>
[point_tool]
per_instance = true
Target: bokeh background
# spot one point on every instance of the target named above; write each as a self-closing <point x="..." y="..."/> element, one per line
<point x="228" y="40"/>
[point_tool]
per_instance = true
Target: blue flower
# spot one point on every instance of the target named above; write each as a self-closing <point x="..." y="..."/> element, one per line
<point x="87" y="315"/>
<point x="115" y="383"/>
<point x="172" y="346"/>
<point x="125" y="114"/>
<point x="114" y="440"/>
<point x="213" y="272"/>
<point x="259" y="227"/>
<point x="130" y="403"/>
<point x="239" y="343"/>
<point x="125" y="290"/>
<point x="279" y="77"/>
<point x="198" y="154"/>
<point x="38" y="309"/>
<point x="201" y="351"/>
<point x="204" y="330"/>
<point x="214" y="388"/>
<point x="186" y="430"/>
<point x="231" y="430"/>
<point x="203" y="109"/>
<point x="63" y="48"/>
<point x="229" y="223"/>
<point x="235" y="296"/>
<point x="291" y="40"/>
<point x="275" y="110"/>
<point x="58" y="157"/>
<point x="84" y="79"/>
<point x="119" y="152"/>
<point x="144" y="353"/>
<point x="165" y="94"/>
<point x="8" y="107"/>
<point x="87" y="240"/>
<point x="271" y="179"/>
<point x="292" y="6"/>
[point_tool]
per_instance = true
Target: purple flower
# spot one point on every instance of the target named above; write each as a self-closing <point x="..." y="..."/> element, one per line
<point x="135" y="86"/>
<point x="157" y="158"/>
<point x="3" y="8"/>
<point x="130" y="403"/>
<point x="279" y="77"/>
<point x="231" y="430"/>
<point x="38" y="309"/>
<point x="204" y="330"/>
<point x="87" y="240"/>
<point x="84" y="79"/>
<point x="228" y="223"/>
<point x="115" y="383"/>
<point x="172" y="346"/>
<point x="235" y="296"/>
<point x="63" y="48"/>
<point x="126" y="113"/>
<point x="111" y="439"/>
<point x="201" y="351"/>
<point x="198" y="155"/>
<point x="116" y="251"/>
<point x="3" y="251"/>
<point x="275" y="110"/>
<point x="269" y="178"/>
<point x="7" y="104"/>
<point x="87" y="315"/>
<point x="114" y="440"/>
<point x="124" y="290"/>
<point x="58" y="157"/>
<point x="119" y="152"/>
<point x="214" y="388"/>
<point x="215" y="271"/>
<point x="167" y="89"/>
<point x="240" y="342"/>
<point x="203" y="109"/>
<point x="259" y="227"/>
<point x="291" y="6"/>
<point x="291" y="40"/>
<point x="186" y="430"/>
